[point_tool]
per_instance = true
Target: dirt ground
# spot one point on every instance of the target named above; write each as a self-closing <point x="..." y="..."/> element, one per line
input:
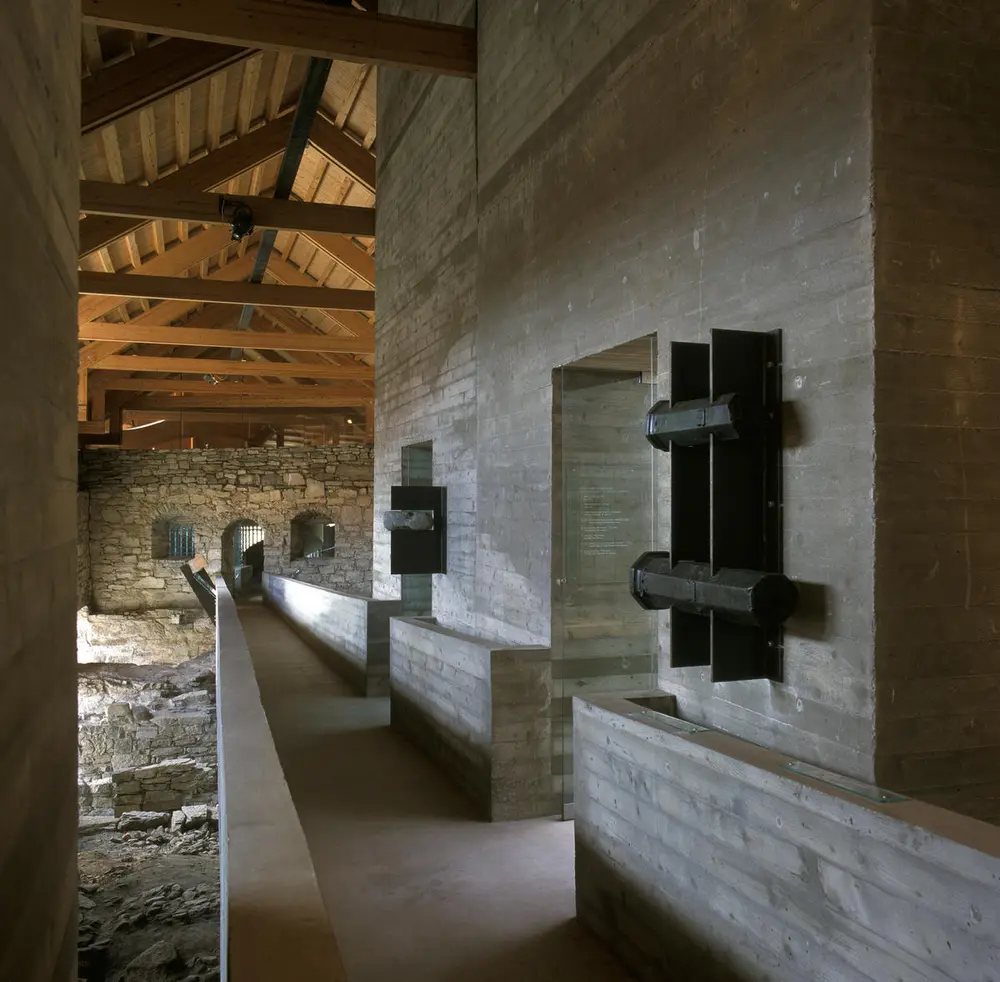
<point x="149" y="906"/>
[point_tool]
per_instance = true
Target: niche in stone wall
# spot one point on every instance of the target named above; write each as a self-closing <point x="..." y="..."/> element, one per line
<point x="312" y="536"/>
<point x="172" y="538"/>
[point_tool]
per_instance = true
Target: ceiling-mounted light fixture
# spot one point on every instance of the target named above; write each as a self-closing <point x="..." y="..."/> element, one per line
<point x="239" y="215"/>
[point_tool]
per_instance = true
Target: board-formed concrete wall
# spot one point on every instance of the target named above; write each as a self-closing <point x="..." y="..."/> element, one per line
<point x="481" y="709"/>
<point x="657" y="171"/>
<point x="350" y="633"/>
<point x="130" y="491"/>
<point x="39" y="188"/>
<point x="937" y="130"/>
<point x="700" y="856"/>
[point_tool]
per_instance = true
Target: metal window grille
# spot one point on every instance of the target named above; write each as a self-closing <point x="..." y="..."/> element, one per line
<point x="180" y="541"/>
<point x="247" y="536"/>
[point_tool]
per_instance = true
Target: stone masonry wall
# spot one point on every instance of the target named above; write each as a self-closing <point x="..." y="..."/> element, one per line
<point x="83" y="583"/>
<point x="39" y="188"/>
<point x="130" y="491"/>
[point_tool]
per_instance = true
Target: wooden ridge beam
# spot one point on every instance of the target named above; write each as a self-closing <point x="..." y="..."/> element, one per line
<point x="202" y="207"/>
<point x="132" y="333"/>
<point x="223" y="366"/>
<point x="151" y="74"/>
<point x="209" y="291"/>
<point x="206" y="173"/>
<point x="349" y="155"/>
<point x="299" y="27"/>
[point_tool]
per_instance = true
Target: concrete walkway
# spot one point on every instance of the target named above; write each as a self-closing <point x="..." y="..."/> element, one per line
<point x="418" y="889"/>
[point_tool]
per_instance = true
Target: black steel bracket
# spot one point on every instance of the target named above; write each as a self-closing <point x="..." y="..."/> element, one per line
<point x="725" y="587"/>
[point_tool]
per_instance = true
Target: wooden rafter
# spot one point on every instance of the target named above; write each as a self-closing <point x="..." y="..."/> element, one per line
<point x="300" y="27"/>
<point x="103" y="198"/>
<point x="214" y="366"/>
<point x="284" y="272"/>
<point x="206" y="291"/>
<point x="174" y="261"/>
<point x="153" y="73"/>
<point x="131" y="333"/>
<point x="208" y="172"/>
<point x="349" y="155"/>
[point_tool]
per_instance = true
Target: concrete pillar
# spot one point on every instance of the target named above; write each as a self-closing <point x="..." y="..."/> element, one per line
<point x="937" y="402"/>
<point x="39" y="171"/>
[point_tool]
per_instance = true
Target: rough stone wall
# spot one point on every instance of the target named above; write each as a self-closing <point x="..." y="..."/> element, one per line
<point x="678" y="171"/>
<point x="83" y="584"/>
<point x="937" y="131"/>
<point x="147" y="736"/>
<point x="151" y="637"/>
<point x="39" y="187"/>
<point x="130" y="491"/>
<point x="426" y="303"/>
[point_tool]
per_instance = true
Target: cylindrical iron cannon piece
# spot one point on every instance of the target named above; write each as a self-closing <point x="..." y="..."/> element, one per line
<point x="741" y="595"/>
<point x="410" y="521"/>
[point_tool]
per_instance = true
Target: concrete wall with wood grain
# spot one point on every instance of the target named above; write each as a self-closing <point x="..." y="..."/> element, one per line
<point x="350" y="632"/>
<point x="39" y="150"/>
<point x="481" y="709"/>
<point x="655" y="171"/>
<point x="701" y="856"/>
<point x="937" y="409"/>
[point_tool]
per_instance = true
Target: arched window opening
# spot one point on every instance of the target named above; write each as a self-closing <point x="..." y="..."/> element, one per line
<point x="243" y="555"/>
<point x="313" y="536"/>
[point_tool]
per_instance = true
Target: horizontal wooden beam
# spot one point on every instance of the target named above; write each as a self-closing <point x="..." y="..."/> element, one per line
<point x="202" y="207"/>
<point x="177" y="259"/>
<point x="92" y="427"/>
<point x="303" y="405"/>
<point x="300" y="27"/>
<point x="150" y="74"/>
<point x="221" y="338"/>
<point x="212" y="291"/>
<point x="286" y="416"/>
<point x="306" y="395"/>
<point x="352" y="158"/>
<point x="223" y="366"/>
<point x="209" y="172"/>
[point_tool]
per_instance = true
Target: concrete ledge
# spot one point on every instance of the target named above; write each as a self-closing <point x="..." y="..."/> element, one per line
<point x="274" y="922"/>
<point x="702" y="856"/>
<point x="481" y="710"/>
<point x="350" y="633"/>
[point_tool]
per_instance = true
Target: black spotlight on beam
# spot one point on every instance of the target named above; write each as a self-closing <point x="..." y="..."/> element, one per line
<point x="239" y="215"/>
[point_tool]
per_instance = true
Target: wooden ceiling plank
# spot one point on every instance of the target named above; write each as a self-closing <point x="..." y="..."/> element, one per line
<point x="209" y="171"/>
<point x="134" y="201"/>
<point x="248" y="93"/>
<point x="352" y="97"/>
<point x="113" y="155"/>
<point x="158" y="71"/>
<point x="208" y="291"/>
<point x="213" y="366"/>
<point x="279" y="81"/>
<point x="284" y="340"/>
<point x="302" y="28"/>
<point x="182" y="126"/>
<point x="216" y="104"/>
<point x="147" y="137"/>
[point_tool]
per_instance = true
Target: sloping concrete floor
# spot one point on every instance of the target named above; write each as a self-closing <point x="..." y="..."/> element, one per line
<point x="418" y="889"/>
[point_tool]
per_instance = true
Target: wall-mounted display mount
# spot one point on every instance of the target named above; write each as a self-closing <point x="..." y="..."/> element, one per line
<point x="417" y="526"/>
<point x="722" y="578"/>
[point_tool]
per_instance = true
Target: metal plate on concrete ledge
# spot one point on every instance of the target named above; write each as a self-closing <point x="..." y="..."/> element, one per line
<point x="862" y="790"/>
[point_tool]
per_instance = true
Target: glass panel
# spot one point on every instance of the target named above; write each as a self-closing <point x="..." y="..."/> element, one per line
<point x="603" y="476"/>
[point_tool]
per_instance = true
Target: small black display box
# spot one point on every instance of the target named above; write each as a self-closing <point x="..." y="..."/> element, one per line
<point x="413" y="547"/>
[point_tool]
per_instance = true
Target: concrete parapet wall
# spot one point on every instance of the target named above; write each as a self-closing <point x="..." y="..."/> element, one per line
<point x="349" y="632"/>
<point x="274" y="922"/>
<point x="479" y="708"/>
<point x="700" y="855"/>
